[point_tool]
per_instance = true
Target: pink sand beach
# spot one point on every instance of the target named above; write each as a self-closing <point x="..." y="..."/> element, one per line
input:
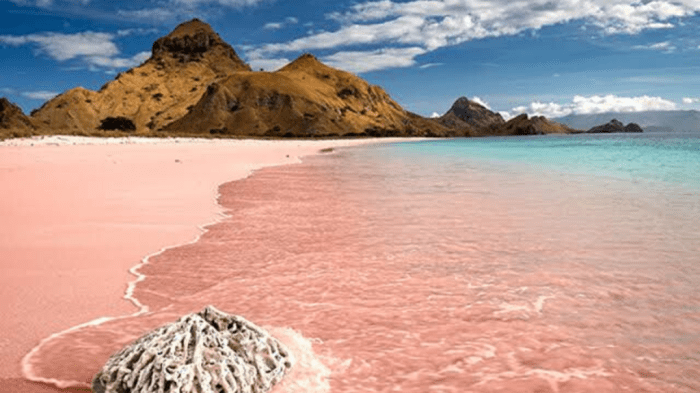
<point x="78" y="213"/>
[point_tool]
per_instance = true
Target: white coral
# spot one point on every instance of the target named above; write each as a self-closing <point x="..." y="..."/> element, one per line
<point x="206" y="352"/>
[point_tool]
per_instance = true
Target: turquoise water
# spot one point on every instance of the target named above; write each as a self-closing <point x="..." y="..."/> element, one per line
<point x="656" y="157"/>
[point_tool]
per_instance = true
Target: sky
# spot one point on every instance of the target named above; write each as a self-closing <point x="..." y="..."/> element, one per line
<point x="541" y="57"/>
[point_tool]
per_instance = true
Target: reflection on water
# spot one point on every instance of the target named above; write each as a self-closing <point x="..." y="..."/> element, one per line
<point x="482" y="265"/>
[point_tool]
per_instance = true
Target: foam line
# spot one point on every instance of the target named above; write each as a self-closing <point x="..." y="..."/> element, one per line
<point x="26" y="364"/>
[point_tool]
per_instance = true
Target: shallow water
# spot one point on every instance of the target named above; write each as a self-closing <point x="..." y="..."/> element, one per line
<point x="555" y="264"/>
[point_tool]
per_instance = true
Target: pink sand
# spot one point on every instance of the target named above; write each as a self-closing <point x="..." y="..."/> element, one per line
<point x="77" y="213"/>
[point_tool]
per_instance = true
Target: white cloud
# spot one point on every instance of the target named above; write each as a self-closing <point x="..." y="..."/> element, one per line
<point x="39" y="95"/>
<point x="689" y="100"/>
<point x="45" y="3"/>
<point x="374" y="60"/>
<point x="273" y="25"/>
<point x="67" y="46"/>
<point x="268" y="64"/>
<point x="96" y="49"/>
<point x="137" y="31"/>
<point x="433" y="24"/>
<point x="227" y="3"/>
<point x="150" y="14"/>
<point x="665" y="46"/>
<point x="595" y="104"/>
<point x="481" y="102"/>
<point x="435" y="114"/>
<point x="429" y="65"/>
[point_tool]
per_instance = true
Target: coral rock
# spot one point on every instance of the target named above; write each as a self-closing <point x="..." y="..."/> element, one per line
<point x="206" y="352"/>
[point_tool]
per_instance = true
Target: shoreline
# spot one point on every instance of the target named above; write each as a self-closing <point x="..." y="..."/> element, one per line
<point x="41" y="156"/>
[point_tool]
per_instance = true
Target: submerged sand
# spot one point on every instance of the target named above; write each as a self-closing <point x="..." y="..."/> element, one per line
<point x="78" y="212"/>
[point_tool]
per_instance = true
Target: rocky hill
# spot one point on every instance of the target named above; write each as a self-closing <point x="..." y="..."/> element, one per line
<point x="303" y="99"/>
<point x="473" y="119"/>
<point x="194" y="83"/>
<point x="162" y="89"/>
<point x="470" y="114"/>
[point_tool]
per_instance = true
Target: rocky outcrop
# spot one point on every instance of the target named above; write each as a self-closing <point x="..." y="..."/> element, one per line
<point x="206" y="352"/>
<point x="13" y="118"/>
<point x="615" y="126"/>
<point x="536" y="125"/>
<point x="162" y="89"/>
<point x="306" y="98"/>
<point x="466" y="113"/>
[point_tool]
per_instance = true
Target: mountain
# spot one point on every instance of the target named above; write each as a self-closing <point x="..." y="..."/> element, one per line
<point x="306" y="98"/>
<point x="194" y="83"/>
<point x="650" y="120"/>
<point x="181" y="67"/>
<point x="12" y="117"/>
<point x="470" y="114"/>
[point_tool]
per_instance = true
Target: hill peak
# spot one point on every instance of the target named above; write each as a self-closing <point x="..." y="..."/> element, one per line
<point x="192" y="41"/>
<point x="307" y="61"/>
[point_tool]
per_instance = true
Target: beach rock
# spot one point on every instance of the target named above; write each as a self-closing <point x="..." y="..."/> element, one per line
<point x="206" y="352"/>
<point x="615" y="126"/>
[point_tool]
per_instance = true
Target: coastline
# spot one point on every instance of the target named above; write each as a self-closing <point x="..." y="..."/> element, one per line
<point x="83" y="212"/>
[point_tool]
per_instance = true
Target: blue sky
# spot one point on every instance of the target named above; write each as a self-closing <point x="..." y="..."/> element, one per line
<point x="544" y="57"/>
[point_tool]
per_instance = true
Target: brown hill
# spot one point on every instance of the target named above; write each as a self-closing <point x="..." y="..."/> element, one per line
<point x="470" y="114"/>
<point x="12" y="118"/>
<point x="160" y="90"/>
<point x="524" y="125"/>
<point x="306" y="98"/>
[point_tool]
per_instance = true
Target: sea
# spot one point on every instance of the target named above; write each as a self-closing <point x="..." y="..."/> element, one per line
<point x="502" y="264"/>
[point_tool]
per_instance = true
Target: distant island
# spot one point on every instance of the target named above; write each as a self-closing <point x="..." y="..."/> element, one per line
<point x="194" y="84"/>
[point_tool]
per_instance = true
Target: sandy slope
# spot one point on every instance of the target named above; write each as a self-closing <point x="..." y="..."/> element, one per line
<point x="77" y="213"/>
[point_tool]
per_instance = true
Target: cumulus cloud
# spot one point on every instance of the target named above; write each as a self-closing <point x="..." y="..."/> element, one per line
<point x="435" y="115"/>
<point x="595" y="104"/>
<point x="690" y="100"/>
<point x="374" y="60"/>
<point x="433" y="24"/>
<point x="96" y="49"/>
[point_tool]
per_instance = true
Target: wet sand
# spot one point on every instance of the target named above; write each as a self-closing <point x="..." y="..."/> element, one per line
<point x="77" y="213"/>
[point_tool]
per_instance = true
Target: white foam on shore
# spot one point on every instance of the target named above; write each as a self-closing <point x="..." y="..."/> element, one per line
<point x="56" y="140"/>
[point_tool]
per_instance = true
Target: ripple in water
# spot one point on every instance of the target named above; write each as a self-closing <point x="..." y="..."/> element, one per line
<point x="401" y="268"/>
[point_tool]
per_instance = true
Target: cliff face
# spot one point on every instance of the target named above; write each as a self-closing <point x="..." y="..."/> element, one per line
<point x="157" y="92"/>
<point x="12" y="117"/>
<point x="304" y="99"/>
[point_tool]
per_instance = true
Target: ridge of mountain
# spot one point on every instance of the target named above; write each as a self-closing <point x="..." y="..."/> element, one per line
<point x="153" y="94"/>
<point x="306" y="98"/>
